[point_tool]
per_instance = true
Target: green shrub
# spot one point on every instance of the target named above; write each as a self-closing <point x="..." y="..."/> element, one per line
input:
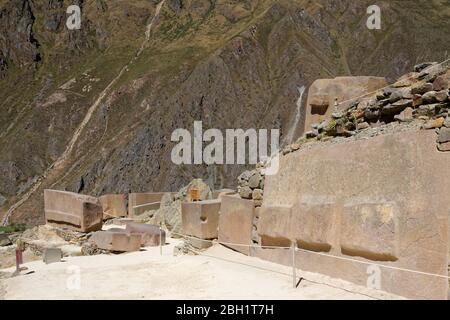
<point x="13" y="228"/>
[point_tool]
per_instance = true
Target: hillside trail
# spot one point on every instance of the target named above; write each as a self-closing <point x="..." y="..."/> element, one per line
<point x="69" y="148"/>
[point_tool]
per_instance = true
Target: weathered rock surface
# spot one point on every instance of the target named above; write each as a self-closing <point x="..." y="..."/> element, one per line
<point x="151" y="235"/>
<point x="215" y="63"/>
<point x="4" y="240"/>
<point x="52" y="255"/>
<point x="325" y="95"/>
<point x="382" y="200"/>
<point x="201" y="219"/>
<point x="113" y="205"/>
<point x="204" y="191"/>
<point x="116" y="241"/>
<point x="236" y="222"/>
<point x="74" y="211"/>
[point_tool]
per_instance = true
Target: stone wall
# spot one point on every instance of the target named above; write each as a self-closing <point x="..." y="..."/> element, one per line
<point x="381" y="200"/>
<point x="325" y="93"/>
<point x="420" y="96"/>
<point x="139" y="203"/>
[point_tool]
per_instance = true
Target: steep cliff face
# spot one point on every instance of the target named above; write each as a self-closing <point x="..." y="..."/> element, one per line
<point x="18" y="45"/>
<point x="89" y="111"/>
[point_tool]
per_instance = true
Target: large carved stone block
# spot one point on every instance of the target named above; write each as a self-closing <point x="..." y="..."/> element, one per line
<point x="52" y="255"/>
<point x="71" y="210"/>
<point x="217" y="194"/>
<point x="151" y="236"/>
<point x="324" y="94"/>
<point x="313" y="225"/>
<point x="138" y="203"/>
<point x="201" y="219"/>
<point x="116" y="241"/>
<point x="370" y="231"/>
<point x="236" y="222"/>
<point x="382" y="201"/>
<point x="275" y="226"/>
<point x="114" y="205"/>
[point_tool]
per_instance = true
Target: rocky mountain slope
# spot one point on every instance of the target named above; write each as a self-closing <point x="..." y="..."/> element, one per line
<point x="93" y="110"/>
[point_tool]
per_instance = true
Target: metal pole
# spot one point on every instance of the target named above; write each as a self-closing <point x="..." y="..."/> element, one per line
<point x="160" y="239"/>
<point x="294" y="275"/>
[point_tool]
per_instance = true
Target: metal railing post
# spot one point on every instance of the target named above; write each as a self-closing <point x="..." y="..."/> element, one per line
<point x="294" y="271"/>
<point x="160" y="239"/>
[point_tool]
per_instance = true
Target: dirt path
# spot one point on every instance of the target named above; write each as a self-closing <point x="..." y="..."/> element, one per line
<point x="219" y="273"/>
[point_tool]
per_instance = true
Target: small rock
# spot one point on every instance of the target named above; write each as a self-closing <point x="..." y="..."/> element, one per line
<point x="429" y="109"/>
<point x="447" y="122"/>
<point x="363" y="125"/>
<point x="89" y="249"/>
<point x="441" y="83"/>
<point x="4" y="240"/>
<point x="322" y="125"/>
<point x="257" y="194"/>
<point x="245" y="192"/>
<point x="406" y="80"/>
<point x="432" y="72"/>
<point x="52" y="255"/>
<point x="380" y="96"/>
<point x="255" y="236"/>
<point x="371" y="114"/>
<point x="405" y="116"/>
<point x="255" y="180"/>
<point x="258" y="203"/>
<point x="422" y="88"/>
<point x="433" y="124"/>
<point x="383" y="103"/>
<point x="182" y="249"/>
<point x="404" y="103"/>
<point x="357" y="114"/>
<point x="442" y="95"/>
<point x="244" y="176"/>
<point x="286" y="150"/>
<point x="421" y="66"/>
<point x="429" y="97"/>
<point x="311" y="134"/>
<point x="295" y="146"/>
<point x="395" y="96"/>
<point x="388" y="91"/>
<point x="203" y="190"/>
<point x="350" y="125"/>
<point x="396" y="107"/>
<point x="444" y="146"/>
<point x="337" y="115"/>
<point x="417" y="100"/>
<point x="444" y="135"/>
<point x="345" y="133"/>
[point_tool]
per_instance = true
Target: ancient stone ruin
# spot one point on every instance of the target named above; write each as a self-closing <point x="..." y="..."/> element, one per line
<point x="365" y="188"/>
<point x="74" y="211"/>
<point x="371" y="200"/>
<point x="326" y="96"/>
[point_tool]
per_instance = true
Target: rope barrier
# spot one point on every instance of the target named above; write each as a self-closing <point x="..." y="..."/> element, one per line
<point x="376" y="264"/>
<point x="228" y="243"/>
<point x="313" y="252"/>
<point x="303" y="277"/>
